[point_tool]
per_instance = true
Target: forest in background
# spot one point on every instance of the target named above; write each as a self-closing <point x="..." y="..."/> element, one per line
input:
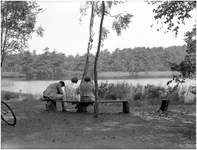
<point x="55" y="65"/>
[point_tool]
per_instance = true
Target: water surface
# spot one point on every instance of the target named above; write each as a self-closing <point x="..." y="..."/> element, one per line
<point x="37" y="87"/>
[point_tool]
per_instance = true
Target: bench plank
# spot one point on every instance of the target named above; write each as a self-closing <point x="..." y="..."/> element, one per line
<point x="112" y="101"/>
<point x="104" y="101"/>
<point x="126" y="108"/>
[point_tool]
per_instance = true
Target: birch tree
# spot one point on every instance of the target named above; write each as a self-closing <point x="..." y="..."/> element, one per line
<point x="120" y="21"/>
<point x="83" y="11"/>
<point x="96" y="60"/>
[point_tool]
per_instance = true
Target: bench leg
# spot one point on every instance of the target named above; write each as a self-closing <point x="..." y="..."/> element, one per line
<point x="126" y="108"/>
<point x="51" y="106"/>
<point x="82" y="107"/>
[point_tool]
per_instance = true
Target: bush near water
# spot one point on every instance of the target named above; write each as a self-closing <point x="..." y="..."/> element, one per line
<point x="7" y="95"/>
<point x="138" y="94"/>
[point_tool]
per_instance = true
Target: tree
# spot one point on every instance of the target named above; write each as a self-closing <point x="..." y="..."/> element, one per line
<point x="173" y="13"/>
<point x="86" y="70"/>
<point x="18" y="19"/>
<point x="27" y="63"/>
<point x="120" y="22"/>
<point x="57" y="65"/>
<point x="188" y="66"/>
<point x="96" y="59"/>
<point x="104" y="57"/>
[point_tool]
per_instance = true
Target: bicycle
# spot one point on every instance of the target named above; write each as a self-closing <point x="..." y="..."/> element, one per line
<point x="7" y="114"/>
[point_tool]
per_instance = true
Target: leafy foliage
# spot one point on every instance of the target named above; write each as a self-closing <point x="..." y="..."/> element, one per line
<point x="18" y="19"/>
<point x="188" y="66"/>
<point x="173" y="13"/>
<point x="103" y="87"/>
<point x="51" y="64"/>
<point x="154" y="91"/>
<point x="137" y="92"/>
<point x="101" y="9"/>
<point x="143" y="95"/>
<point x="113" y="91"/>
<point x="121" y="21"/>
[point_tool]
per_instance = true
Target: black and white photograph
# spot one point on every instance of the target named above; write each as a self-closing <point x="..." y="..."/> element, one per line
<point x="98" y="74"/>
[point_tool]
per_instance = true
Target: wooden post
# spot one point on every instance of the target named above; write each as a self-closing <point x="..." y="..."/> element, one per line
<point x="126" y="108"/>
<point x="164" y="104"/>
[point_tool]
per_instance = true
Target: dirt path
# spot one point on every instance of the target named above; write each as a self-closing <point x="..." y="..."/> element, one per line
<point x="142" y="128"/>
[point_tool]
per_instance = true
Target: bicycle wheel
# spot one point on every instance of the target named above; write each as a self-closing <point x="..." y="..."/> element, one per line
<point x="7" y="114"/>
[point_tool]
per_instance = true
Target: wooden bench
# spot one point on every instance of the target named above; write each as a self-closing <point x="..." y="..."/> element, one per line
<point x="51" y="106"/>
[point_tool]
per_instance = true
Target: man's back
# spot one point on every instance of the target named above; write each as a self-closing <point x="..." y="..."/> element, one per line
<point x="87" y="89"/>
<point x="53" y="88"/>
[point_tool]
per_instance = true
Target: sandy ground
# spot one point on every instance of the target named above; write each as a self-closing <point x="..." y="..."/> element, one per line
<point x="143" y="128"/>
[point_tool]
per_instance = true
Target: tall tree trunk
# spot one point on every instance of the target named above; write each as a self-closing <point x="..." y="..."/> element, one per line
<point x="96" y="113"/>
<point x="3" y="42"/>
<point x="2" y="50"/>
<point x="86" y="70"/>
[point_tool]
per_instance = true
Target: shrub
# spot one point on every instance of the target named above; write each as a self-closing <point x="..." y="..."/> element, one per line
<point x="114" y="91"/>
<point x="149" y="94"/>
<point x="173" y="94"/>
<point x="153" y="91"/>
<point x="103" y="87"/>
<point x="137" y="92"/>
<point x="152" y="94"/>
<point x="6" y="95"/>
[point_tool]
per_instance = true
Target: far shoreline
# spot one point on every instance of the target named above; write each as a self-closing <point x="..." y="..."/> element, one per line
<point x="101" y="75"/>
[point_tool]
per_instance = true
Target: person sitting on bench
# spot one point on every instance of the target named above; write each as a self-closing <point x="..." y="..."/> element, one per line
<point x="54" y="92"/>
<point x="71" y="90"/>
<point x="87" y="90"/>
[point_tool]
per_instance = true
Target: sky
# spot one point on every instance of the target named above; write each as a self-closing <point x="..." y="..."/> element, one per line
<point x="64" y="33"/>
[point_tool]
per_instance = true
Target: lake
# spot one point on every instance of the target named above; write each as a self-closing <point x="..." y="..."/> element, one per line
<point x="37" y="87"/>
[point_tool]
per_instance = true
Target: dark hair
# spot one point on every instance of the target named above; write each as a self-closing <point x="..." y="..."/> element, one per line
<point x="74" y="80"/>
<point x="87" y="79"/>
<point x="62" y="83"/>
